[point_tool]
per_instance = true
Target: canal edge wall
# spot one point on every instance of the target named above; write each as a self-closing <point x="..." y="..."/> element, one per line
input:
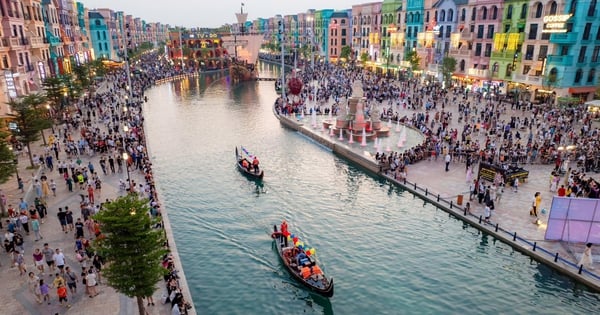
<point x="525" y="247"/>
<point x="183" y="284"/>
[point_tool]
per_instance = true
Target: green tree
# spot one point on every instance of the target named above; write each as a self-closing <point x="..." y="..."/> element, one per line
<point x="448" y="68"/>
<point x="346" y="52"/>
<point x="31" y="119"/>
<point x="98" y="68"/>
<point x="414" y="59"/>
<point x="54" y="88"/>
<point x="82" y="76"/>
<point x="132" y="249"/>
<point x="364" y="57"/>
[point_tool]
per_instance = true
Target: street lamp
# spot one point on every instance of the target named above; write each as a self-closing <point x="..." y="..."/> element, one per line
<point x="126" y="161"/>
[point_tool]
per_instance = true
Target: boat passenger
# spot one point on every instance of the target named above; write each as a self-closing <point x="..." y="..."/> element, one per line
<point x="316" y="272"/>
<point x="305" y="272"/>
<point x="245" y="164"/>
<point x="255" y="163"/>
<point x="300" y="257"/>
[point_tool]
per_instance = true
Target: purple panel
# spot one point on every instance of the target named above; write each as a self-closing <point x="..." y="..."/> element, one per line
<point x="582" y="209"/>
<point x="594" y="236"/>
<point x="597" y="215"/>
<point x="576" y="231"/>
<point x="554" y="230"/>
<point x="559" y="208"/>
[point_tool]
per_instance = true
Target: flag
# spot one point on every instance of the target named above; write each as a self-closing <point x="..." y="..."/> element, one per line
<point x="247" y="153"/>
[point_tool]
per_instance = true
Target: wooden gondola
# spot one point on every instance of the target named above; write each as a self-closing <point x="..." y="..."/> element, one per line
<point x="250" y="172"/>
<point x="288" y="254"/>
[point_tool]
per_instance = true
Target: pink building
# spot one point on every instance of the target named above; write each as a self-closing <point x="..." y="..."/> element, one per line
<point x="366" y="29"/>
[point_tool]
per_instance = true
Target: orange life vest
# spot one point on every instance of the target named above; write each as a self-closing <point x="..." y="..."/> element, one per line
<point x="305" y="272"/>
<point x="316" y="270"/>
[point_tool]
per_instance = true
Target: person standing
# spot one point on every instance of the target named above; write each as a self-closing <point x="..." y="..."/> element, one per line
<point x="33" y="282"/>
<point x="53" y="187"/>
<point x="586" y="257"/>
<point x="516" y="185"/>
<point x="62" y="218"/>
<point x="38" y="260"/>
<point x="35" y="226"/>
<point x="71" y="278"/>
<point x="49" y="256"/>
<point x="447" y="159"/>
<point x="59" y="259"/>
<point x="537" y="200"/>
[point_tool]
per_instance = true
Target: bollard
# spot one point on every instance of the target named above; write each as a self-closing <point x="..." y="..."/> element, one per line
<point x="450" y="204"/>
<point x="534" y="246"/>
<point x="415" y="186"/>
<point x="580" y="269"/>
<point x="438" y="197"/>
<point x="465" y="214"/>
<point x="405" y="181"/>
<point x="496" y="227"/>
<point x="480" y="219"/>
<point x="425" y="191"/>
<point x="515" y="237"/>
<point x="556" y="257"/>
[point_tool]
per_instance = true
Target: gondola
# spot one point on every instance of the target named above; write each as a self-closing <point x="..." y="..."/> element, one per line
<point x="247" y="171"/>
<point x="288" y="253"/>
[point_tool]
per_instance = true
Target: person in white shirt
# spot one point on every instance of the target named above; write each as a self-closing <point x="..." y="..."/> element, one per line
<point x="448" y="158"/>
<point x="59" y="260"/>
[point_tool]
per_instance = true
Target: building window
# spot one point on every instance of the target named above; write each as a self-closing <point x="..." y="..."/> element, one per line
<point x="473" y="14"/>
<point x="553" y="8"/>
<point x="538" y="10"/>
<point x="462" y="65"/>
<point x="427" y="16"/>
<point x="591" y="76"/>
<point x="478" y="49"/>
<point x="573" y="7"/>
<point x="586" y="31"/>
<point x="488" y="50"/>
<point x="490" y="32"/>
<point x="484" y="13"/>
<point x="463" y="15"/>
<point x="450" y="15"/>
<point x="509" y="70"/>
<point x="524" y="11"/>
<point x="578" y="75"/>
<point x="480" y="31"/>
<point x="529" y="52"/>
<point x="581" y="57"/>
<point x="494" y="12"/>
<point x="509" y="12"/>
<point x="543" y="52"/>
<point x="595" y="54"/>
<point x="448" y="31"/>
<point x="526" y="69"/>
<point x="592" y="9"/>
<point x="533" y="28"/>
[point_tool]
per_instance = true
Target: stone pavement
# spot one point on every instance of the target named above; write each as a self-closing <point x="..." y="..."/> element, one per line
<point x="511" y="213"/>
<point x="15" y="298"/>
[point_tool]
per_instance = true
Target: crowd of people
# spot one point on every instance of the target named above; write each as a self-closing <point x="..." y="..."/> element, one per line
<point x="84" y="151"/>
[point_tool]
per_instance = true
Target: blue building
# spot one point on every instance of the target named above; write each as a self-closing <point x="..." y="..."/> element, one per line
<point x="414" y="23"/>
<point x="571" y="69"/>
<point x="99" y="36"/>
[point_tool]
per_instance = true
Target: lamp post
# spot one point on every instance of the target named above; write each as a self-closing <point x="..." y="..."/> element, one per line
<point x="125" y="153"/>
<point x="387" y="62"/>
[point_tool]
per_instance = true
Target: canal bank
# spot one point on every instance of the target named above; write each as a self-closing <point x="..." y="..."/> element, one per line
<point x="548" y="253"/>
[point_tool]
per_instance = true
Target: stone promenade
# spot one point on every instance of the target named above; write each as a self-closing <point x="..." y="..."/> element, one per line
<point x="15" y="298"/>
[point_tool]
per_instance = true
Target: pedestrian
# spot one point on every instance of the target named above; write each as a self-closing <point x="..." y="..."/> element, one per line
<point x="61" y="292"/>
<point x="38" y="260"/>
<point x="586" y="257"/>
<point x="97" y="263"/>
<point x="90" y="191"/>
<point x="53" y="187"/>
<point x="20" y="263"/>
<point x="35" y="226"/>
<point x="44" y="291"/>
<point x="24" y="221"/>
<point x="69" y="184"/>
<point x="33" y="282"/>
<point x="59" y="260"/>
<point x="468" y="207"/>
<point x="90" y="280"/>
<point x="62" y="218"/>
<point x="499" y="193"/>
<point x="535" y="203"/>
<point x="69" y="217"/>
<point x="49" y="256"/>
<point x="71" y="280"/>
<point x="20" y="184"/>
<point x="447" y="159"/>
<point x="516" y="184"/>
<point x="78" y="228"/>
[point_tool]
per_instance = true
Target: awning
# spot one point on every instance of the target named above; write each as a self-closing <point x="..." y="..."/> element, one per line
<point x="583" y="89"/>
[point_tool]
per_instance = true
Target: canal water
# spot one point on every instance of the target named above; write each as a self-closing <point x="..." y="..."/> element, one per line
<point x="388" y="252"/>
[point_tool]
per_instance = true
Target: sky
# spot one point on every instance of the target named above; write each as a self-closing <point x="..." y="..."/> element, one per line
<point x="213" y="13"/>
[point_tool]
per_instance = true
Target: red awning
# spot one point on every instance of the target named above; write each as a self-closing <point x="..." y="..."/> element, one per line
<point x="583" y="89"/>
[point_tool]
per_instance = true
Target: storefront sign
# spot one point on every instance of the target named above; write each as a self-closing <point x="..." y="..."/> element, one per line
<point x="10" y="84"/>
<point x="556" y="23"/>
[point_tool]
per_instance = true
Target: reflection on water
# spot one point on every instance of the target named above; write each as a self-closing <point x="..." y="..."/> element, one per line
<point x="388" y="251"/>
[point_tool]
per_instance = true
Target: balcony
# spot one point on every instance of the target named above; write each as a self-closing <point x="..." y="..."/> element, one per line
<point x="480" y="73"/>
<point x="566" y="60"/>
<point x="527" y="79"/>
<point x="507" y="54"/>
<point x="460" y="52"/>
<point x="37" y="42"/>
<point x="564" y="38"/>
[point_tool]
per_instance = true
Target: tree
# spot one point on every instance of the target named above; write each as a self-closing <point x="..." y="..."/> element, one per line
<point x="413" y="58"/>
<point x="31" y="119"/>
<point x="132" y="249"/>
<point x="448" y="68"/>
<point x="98" y="68"/>
<point x="54" y="88"/>
<point x="364" y="57"/>
<point x="346" y="52"/>
<point x="82" y="76"/>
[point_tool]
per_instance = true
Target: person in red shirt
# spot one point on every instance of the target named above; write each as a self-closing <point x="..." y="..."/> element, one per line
<point x="562" y="191"/>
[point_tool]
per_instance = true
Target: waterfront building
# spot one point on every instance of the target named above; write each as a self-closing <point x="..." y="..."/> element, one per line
<point x="571" y="70"/>
<point x="114" y="44"/>
<point x="50" y="17"/>
<point x="339" y="33"/>
<point x="99" y="36"/>
<point x="414" y="24"/>
<point x="65" y="21"/>
<point x="83" y="52"/>
<point x="322" y="19"/>
<point x="39" y="47"/>
<point x="366" y="37"/>
<point x="391" y="35"/>
<point x="506" y="56"/>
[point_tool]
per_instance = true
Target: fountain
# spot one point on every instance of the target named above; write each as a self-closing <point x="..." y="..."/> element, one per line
<point x="363" y="142"/>
<point x="314" y="118"/>
<point x="398" y="126"/>
<point x="351" y="119"/>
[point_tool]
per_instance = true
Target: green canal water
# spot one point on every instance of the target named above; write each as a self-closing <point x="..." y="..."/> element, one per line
<point x="389" y="252"/>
